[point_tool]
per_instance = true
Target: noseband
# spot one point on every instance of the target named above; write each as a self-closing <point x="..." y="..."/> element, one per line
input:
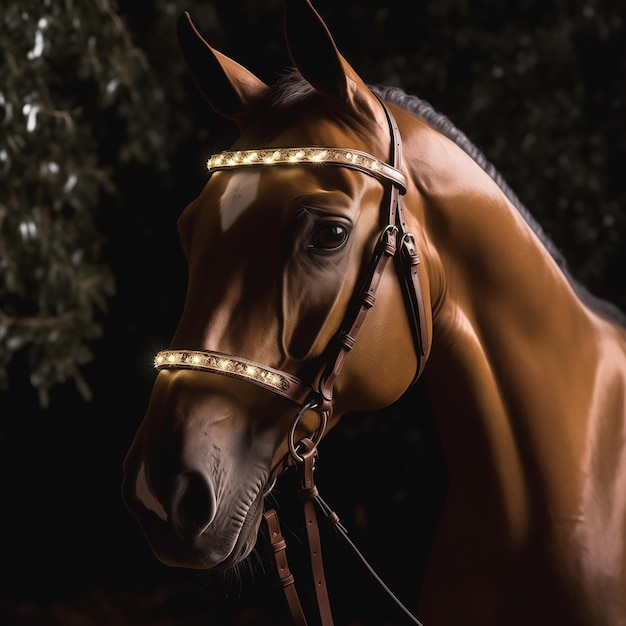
<point x="394" y="241"/>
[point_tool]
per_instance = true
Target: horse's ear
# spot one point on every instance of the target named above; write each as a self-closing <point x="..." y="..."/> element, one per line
<point x="313" y="51"/>
<point x="229" y="88"/>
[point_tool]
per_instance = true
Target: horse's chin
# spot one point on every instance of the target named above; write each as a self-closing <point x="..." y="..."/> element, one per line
<point x="246" y="539"/>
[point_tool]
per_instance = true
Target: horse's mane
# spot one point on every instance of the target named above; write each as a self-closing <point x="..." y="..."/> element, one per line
<point x="292" y="89"/>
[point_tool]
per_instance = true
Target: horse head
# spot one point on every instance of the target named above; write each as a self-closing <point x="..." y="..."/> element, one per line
<point x="286" y="247"/>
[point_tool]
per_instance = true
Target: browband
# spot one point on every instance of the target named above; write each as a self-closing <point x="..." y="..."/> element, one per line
<point x="309" y="155"/>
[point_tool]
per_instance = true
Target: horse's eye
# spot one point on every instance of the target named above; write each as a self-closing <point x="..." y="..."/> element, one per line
<point x="328" y="237"/>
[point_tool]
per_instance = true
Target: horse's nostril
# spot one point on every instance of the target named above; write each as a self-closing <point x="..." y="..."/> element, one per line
<point x="193" y="504"/>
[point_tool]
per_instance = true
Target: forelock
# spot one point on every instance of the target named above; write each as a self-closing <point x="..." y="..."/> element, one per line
<point x="291" y="90"/>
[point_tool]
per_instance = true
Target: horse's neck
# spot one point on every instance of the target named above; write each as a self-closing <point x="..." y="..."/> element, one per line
<point x="528" y="389"/>
<point x="516" y="356"/>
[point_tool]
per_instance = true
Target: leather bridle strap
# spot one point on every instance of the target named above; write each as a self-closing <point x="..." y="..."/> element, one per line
<point x="308" y="492"/>
<point x="278" y="547"/>
<point x="385" y="249"/>
<point x="408" y="272"/>
<point x="407" y="260"/>
<point x="310" y="496"/>
<point x="307" y="451"/>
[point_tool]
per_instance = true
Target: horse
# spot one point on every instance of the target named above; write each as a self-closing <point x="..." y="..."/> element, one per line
<point x="350" y="242"/>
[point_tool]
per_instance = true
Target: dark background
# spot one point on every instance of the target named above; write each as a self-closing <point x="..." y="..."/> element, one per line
<point x="538" y="85"/>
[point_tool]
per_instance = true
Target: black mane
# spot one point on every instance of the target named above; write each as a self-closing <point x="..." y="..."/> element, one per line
<point x="293" y="89"/>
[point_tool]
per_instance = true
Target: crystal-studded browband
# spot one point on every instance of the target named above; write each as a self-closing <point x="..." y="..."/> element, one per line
<point x="279" y="382"/>
<point x="309" y="155"/>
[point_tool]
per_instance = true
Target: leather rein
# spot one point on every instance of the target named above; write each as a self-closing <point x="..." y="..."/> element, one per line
<point x="395" y="242"/>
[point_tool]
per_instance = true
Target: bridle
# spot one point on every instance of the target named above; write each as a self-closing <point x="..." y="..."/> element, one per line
<point x="395" y="242"/>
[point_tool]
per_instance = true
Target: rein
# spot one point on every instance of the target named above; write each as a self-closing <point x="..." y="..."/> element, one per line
<point x="395" y="242"/>
<point x="309" y="495"/>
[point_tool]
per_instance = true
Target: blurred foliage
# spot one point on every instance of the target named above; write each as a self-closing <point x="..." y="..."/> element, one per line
<point x="97" y="114"/>
<point x="79" y="104"/>
<point x="76" y="100"/>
